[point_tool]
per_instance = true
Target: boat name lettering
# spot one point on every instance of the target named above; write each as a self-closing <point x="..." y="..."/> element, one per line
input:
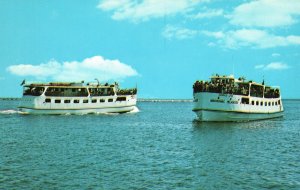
<point x="217" y="100"/>
<point x="226" y="95"/>
<point x="232" y="102"/>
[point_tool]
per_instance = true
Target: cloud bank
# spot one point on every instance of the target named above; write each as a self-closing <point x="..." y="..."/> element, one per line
<point x="273" y="66"/>
<point x="144" y="10"/>
<point x="88" y="69"/>
<point x="251" y="37"/>
<point x="266" y="13"/>
<point x="208" y="14"/>
<point x="179" y="33"/>
<point x="254" y="24"/>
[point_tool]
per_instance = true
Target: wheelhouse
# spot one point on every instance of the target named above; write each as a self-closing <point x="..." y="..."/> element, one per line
<point x="32" y="90"/>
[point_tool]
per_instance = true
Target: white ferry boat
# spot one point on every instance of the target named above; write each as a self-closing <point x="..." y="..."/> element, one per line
<point x="76" y="98"/>
<point x="224" y="98"/>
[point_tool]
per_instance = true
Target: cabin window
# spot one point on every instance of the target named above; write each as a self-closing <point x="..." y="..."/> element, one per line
<point x="76" y="101"/>
<point x="245" y="100"/>
<point x="269" y="103"/>
<point x="266" y="103"/>
<point x="94" y="100"/>
<point x="48" y="100"/>
<point x="67" y="101"/>
<point x="272" y="103"/>
<point x="110" y="100"/>
<point x="57" y="101"/>
<point x="252" y="102"/>
<point x="256" y="90"/>
<point x="257" y="103"/>
<point x="33" y="91"/>
<point x="102" y="100"/>
<point x="261" y="103"/>
<point x="241" y="89"/>
<point x="66" y="92"/>
<point x="272" y="92"/>
<point x="102" y="91"/>
<point x="85" y="101"/>
<point x="278" y="102"/>
<point x="121" y="99"/>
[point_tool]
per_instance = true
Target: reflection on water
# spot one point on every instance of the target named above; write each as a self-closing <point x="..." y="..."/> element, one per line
<point x="244" y="155"/>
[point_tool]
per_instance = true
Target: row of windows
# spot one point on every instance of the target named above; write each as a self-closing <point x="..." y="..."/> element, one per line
<point x="76" y="101"/>
<point x="257" y="103"/>
<point x="261" y="103"/>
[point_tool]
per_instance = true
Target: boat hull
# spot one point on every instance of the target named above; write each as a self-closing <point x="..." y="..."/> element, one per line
<point x="223" y="116"/>
<point x="78" y="111"/>
<point x="84" y="105"/>
<point x="226" y="107"/>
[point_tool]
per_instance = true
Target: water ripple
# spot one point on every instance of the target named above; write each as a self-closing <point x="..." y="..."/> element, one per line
<point x="159" y="147"/>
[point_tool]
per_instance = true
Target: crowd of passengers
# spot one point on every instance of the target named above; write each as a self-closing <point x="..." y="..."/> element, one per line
<point x="131" y="91"/>
<point x="228" y="86"/>
<point x="77" y="92"/>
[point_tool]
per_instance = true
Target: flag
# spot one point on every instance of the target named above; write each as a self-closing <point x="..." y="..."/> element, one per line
<point x="23" y="82"/>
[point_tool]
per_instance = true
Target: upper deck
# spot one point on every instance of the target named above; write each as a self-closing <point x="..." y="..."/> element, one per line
<point x="74" y="89"/>
<point x="229" y="85"/>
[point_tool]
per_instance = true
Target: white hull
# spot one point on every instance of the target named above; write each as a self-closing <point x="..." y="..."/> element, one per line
<point x="210" y="115"/>
<point x="78" y="111"/>
<point x="226" y="107"/>
<point x="85" y="105"/>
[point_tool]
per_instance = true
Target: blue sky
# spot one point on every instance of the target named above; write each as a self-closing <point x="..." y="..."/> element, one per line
<point x="162" y="46"/>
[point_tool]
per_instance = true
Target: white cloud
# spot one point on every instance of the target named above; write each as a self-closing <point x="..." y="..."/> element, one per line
<point x="276" y="66"/>
<point x="273" y="66"/>
<point x="211" y="44"/>
<point x="208" y="14"/>
<point x="276" y="55"/>
<point x="217" y="35"/>
<point x="88" y="69"/>
<point x="170" y="32"/>
<point x="41" y="71"/>
<point x="259" y="66"/>
<point x="144" y="10"/>
<point x="266" y="13"/>
<point x="251" y="38"/>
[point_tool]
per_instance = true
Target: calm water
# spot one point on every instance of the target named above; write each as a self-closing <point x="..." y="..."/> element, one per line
<point x="160" y="147"/>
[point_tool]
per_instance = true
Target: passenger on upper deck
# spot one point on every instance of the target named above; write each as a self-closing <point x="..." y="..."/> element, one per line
<point x="227" y="85"/>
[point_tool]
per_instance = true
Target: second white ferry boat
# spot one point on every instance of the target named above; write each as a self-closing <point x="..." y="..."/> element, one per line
<point x="225" y="98"/>
<point x="76" y="98"/>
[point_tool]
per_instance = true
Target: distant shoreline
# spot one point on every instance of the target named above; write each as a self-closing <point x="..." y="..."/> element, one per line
<point x="139" y="100"/>
<point x="163" y="100"/>
<point x="158" y="100"/>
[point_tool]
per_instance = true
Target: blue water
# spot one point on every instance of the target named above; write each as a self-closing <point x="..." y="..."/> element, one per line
<point x="160" y="147"/>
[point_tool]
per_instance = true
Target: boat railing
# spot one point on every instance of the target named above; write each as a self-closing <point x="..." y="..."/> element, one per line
<point x="132" y="91"/>
<point x="236" y="88"/>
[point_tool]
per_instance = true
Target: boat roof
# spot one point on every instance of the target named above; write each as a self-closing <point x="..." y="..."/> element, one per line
<point x="222" y="77"/>
<point x="239" y="80"/>
<point x="69" y="85"/>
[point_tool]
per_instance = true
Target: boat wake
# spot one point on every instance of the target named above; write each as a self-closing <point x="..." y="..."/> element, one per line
<point x="8" y="112"/>
<point x="135" y="110"/>
<point x="11" y="111"/>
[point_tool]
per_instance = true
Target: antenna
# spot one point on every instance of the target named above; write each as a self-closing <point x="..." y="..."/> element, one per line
<point x="97" y="81"/>
<point x="232" y="65"/>
<point x="23" y="82"/>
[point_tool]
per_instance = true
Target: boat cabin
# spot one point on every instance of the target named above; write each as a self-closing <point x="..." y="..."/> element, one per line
<point x="75" y="90"/>
<point x="229" y="85"/>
